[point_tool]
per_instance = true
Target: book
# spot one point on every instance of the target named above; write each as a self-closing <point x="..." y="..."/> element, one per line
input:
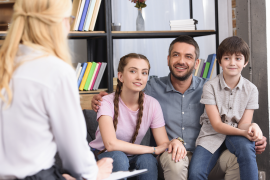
<point x="92" y="78"/>
<point x="85" y="8"/>
<point x="212" y="60"/>
<point x="75" y="12"/>
<point x="214" y="67"/>
<point x="89" y="77"/>
<point x="89" y="15"/>
<point x="87" y="70"/>
<point x="94" y="17"/>
<point x="202" y="70"/>
<point x="184" y="24"/>
<point x="100" y="74"/>
<point x="79" y="15"/>
<point x="207" y="64"/>
<point x="78" y="68"/>
<point x="196" y="71"/>
<point x="95" y="75"/>
<point x="81" y="74"/>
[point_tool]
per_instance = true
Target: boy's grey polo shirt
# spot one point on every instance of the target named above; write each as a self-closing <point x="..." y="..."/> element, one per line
<point x="181" y="111"/>
<point x="231" y="104"/>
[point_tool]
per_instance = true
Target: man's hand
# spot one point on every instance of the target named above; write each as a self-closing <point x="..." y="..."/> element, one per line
<point x="260" y="145"/>
<point x="104" y="168"/>
<point x="177" y="149"/>
<point x="255" y="132"/>
<point x="96" y="100"/>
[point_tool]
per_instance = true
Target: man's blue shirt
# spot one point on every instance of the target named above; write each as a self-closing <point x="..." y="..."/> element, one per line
<point x="181" y="111"/>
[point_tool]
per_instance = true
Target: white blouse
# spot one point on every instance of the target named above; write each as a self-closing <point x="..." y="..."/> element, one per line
<point x="44" y="117"/>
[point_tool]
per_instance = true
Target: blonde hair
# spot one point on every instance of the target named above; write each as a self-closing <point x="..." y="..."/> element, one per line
<point x="38" y="24"/>
<point x="123" y="62"/>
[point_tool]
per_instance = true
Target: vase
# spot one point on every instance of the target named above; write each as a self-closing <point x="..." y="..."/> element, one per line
<point x="140" y="21"/>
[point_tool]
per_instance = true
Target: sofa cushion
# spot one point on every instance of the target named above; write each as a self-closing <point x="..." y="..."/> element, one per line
<point x="91" y="123"/>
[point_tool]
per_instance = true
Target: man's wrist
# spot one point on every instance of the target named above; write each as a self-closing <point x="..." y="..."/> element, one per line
<point x="180" y="139"/>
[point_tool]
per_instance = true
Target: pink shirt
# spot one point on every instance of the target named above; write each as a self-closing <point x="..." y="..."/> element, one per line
<point x="152" y="117"/>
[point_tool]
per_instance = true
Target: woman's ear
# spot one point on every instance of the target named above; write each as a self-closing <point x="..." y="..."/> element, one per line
<point x="120" y="77"/>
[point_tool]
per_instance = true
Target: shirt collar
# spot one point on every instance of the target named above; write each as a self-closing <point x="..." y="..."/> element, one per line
<point x="170" y="87"/>
<point x="224" y="85"/>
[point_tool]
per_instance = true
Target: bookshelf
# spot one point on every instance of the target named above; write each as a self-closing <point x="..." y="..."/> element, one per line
<point x="100" y="42"/>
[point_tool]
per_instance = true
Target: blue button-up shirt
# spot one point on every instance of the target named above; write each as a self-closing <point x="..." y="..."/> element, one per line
<point x="181" y="111"/>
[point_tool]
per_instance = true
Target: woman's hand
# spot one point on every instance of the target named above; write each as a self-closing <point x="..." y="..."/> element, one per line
<point x="104" y="168"/>
<point x="177" y="149"/>
<point x="161" y="148"/>
<point x="255" y="132"/>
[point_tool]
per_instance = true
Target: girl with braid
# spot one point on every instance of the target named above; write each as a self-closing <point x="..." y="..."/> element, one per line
<point x="124" y="118"/>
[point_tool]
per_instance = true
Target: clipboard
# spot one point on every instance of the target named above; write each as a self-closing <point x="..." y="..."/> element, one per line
<point x="126" y="174"/>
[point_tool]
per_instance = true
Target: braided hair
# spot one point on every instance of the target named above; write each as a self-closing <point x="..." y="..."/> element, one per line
<point x="123" y="62"/>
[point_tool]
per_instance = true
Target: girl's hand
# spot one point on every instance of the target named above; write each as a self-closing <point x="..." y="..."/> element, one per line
<point x="255" y="132"/>
<point x="177" y="149"/>
<point x="161" y="148"/>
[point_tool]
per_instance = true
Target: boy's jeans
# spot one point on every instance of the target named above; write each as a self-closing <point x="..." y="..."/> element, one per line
<point x="122" y="162"/>
<point x="203" y="161"/>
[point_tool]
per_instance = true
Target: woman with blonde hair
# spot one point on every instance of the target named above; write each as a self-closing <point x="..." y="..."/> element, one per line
<point x="40" y="111"/>
<point x="124" y="118"/>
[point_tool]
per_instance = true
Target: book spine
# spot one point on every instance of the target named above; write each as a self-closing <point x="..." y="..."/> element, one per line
<point x="213" y="57"/>
<point x="101" y="71"/>
<point x="82" y="73"/>
<point x="94" y="17"/>
<point x="90" y="14"/>
<point x="83" y="15"/>
<point x="198" y="67"/>
<point x="76" y="26"/>
<point x="202" y="70"/>
<point x="79" y="72"/>
<point x="213" y="68"/>
<point x="95" y="76"/>
<point x="78" y="68"/>
<point x="85" y="76"/>
<point x="207" y="64"/>
<point x="89" y="76"/>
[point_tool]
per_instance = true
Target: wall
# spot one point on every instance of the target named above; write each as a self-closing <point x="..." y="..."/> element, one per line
<point x="258" y="65"/>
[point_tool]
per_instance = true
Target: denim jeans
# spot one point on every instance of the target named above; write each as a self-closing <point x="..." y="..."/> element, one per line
<point x="122" y="162"/>
<point x="203" y="161"/>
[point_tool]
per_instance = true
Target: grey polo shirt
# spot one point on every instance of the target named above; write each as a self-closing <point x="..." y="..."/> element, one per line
<point x="231" y="104"/>
<point x="181" y="111"/>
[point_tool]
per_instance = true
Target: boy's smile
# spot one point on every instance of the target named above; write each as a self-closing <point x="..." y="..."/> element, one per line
<point x="232" y="65"/>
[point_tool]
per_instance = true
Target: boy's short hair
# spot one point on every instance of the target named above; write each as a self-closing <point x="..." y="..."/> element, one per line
<point x="188" y="40"/>
<point x="233" y="45"/>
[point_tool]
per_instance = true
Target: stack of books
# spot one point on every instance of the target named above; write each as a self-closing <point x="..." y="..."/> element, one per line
<point x="89" y="75"/>
<point x="85" y="13"/>
<point x="206" y="69"/>
<point x="184" y="24"/>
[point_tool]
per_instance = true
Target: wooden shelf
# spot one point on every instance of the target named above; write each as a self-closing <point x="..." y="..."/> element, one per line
<point x="159" y="34"/>
<point x="74" y="34"/>
<point x="92" y="92"/>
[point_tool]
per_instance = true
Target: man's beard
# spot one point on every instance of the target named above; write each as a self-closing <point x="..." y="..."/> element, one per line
<point x="182" y="78"/>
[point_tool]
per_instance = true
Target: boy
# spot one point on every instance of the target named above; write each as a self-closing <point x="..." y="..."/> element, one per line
<point x="229" y="100"/>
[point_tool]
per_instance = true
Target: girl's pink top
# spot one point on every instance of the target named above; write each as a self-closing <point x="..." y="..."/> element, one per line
<point x="152" y="117"/>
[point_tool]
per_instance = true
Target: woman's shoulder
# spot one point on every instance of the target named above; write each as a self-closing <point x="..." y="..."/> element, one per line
<point x="149" y="100"/>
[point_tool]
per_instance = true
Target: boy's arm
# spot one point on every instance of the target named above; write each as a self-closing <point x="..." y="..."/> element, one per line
<point x="252" y="128"/>
<point x="221" y="127"/>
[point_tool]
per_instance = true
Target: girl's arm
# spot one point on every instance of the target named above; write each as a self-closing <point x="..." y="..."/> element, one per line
<point x="221" y="127"/>
<point x="111" y="143"/>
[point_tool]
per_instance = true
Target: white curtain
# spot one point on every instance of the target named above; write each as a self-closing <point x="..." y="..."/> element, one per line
<point x="157" y="15"/>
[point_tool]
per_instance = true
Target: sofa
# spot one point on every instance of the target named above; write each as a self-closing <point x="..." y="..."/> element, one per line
<point x="91" y="125"/>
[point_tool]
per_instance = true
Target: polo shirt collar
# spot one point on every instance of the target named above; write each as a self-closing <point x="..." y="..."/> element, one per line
<point x="169" y="86"/>
<point x="224" y="85"/>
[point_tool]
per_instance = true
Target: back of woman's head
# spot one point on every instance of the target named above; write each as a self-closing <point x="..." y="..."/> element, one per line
<point x="38" y="24"/>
